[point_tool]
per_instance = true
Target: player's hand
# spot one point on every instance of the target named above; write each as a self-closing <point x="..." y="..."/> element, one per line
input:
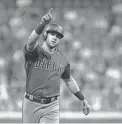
<point x="86" y="107"/>
<point x="46" y="19"/>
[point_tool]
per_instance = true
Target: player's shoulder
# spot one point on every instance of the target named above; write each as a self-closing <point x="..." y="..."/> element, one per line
<point x="59" y="52"/>
<point x="39" y="48"/>
<point x="63" y="55"/>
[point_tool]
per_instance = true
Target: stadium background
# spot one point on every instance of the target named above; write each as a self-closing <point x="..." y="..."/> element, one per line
<point x="92" y="43"/>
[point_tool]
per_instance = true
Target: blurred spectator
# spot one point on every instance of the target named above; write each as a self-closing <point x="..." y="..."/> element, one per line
<point x="92" y="43"/>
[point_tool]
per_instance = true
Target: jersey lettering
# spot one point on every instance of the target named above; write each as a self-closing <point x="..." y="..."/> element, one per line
<point x="49" y="65"/>
<point x="44" y="64"/>
<point x="54" y="66"/>
<point x="38" y="63"/>
<point x="59" y="69"/>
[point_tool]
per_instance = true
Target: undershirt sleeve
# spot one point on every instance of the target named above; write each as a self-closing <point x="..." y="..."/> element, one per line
<point x="30" y="55"/>
<point x="66" y="73"/>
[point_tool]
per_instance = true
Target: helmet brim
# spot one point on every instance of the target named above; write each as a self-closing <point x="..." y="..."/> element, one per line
<point x="49" y="31"/>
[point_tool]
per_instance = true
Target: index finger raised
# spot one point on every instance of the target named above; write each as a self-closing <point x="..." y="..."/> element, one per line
<point x="50" y="11"/>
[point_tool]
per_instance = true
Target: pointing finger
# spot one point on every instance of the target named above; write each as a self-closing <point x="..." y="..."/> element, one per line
<point x="50" y="11"/>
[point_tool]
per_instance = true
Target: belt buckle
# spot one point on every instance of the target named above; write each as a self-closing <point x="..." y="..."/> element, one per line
<point x="45" y="101"/>
<point x="30" y="97"/>
<point x="52" y="99"/>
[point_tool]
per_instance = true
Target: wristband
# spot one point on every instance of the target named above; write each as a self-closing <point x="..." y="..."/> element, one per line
<point x="79" y="95"/>
<point x="39" y="29"/>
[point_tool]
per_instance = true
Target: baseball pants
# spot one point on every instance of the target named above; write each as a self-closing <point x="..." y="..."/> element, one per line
<point x="33" y="112"/>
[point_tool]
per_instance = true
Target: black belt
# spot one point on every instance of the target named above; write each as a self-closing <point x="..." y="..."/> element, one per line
<point x="41" y="100"/>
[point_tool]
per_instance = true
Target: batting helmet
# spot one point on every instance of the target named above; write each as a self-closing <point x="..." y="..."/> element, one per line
<point x="53" y="28"/>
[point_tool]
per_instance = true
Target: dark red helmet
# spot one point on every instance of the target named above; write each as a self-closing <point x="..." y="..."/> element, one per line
<point x="55" y="28"/>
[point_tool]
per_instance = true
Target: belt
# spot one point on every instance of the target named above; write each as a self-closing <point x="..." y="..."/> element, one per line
<point x="41" y="100"/>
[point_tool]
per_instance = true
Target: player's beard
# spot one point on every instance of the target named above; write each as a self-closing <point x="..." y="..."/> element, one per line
<point x="52" y="46"/>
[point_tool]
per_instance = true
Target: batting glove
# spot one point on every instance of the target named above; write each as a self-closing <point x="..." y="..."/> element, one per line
<point x="86" y="107"/>
<point x="46" y="19"/>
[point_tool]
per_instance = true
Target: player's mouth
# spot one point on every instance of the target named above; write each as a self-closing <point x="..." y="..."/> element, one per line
<point x="54" y="42"/>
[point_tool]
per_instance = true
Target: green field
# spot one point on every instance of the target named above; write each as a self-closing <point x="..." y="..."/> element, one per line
<point x="69" y="117"/>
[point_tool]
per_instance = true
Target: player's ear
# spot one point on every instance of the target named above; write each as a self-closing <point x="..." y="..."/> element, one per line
<point x="44" y="36"/>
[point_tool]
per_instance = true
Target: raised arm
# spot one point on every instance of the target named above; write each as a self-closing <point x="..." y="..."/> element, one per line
<point x="46" y="19"/>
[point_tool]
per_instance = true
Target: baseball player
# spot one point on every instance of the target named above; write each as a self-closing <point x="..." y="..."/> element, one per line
<point x="45" y="65"/>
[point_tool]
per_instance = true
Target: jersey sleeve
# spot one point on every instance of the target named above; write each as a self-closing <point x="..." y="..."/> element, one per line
<point x="66" y="73"/>
<point x="30" y="55"/>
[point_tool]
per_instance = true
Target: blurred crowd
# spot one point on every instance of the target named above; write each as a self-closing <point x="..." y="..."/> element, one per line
<point x="92" y="44"/>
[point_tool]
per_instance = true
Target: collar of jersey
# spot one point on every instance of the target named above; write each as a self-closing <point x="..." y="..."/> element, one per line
<point x="51" y="53"/>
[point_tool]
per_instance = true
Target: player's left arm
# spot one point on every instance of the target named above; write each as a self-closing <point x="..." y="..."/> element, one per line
<point x="74" y="88"/>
